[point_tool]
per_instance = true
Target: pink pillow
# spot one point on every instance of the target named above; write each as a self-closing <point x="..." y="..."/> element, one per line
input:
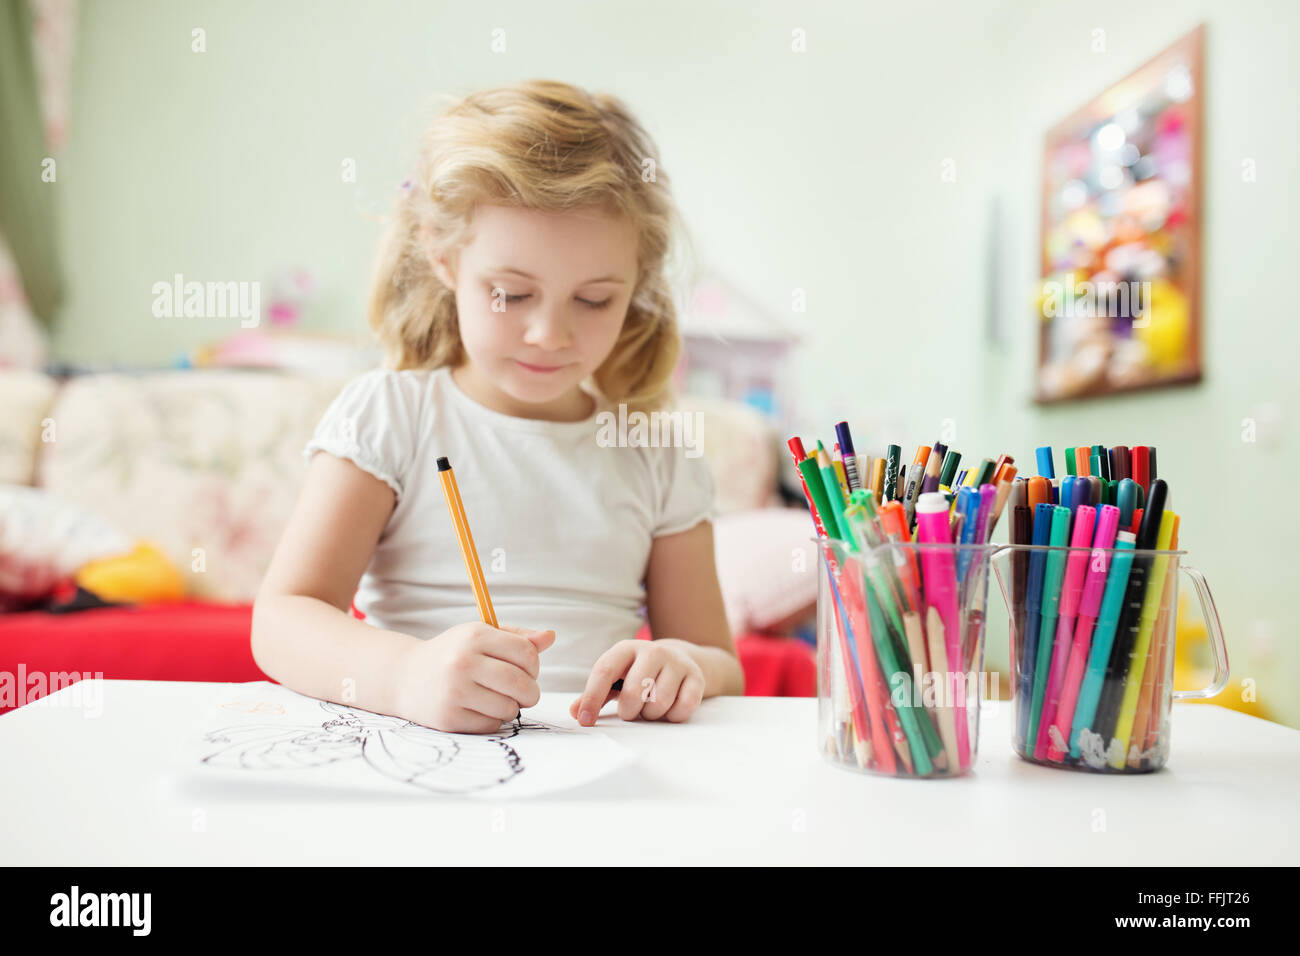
<point x="767" y="567"/>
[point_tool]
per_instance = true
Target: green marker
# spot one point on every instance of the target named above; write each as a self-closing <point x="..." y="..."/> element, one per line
<point x="949" y="472"/>
<point x="1052" y="578"/>
<point x="885" y="587"/>
<point x="1071" y="468"/>
<point x="893" y="461"/>
<point x="813" y="479"/>
<point x="914" y="729"/>
<point x="831" y="485"/>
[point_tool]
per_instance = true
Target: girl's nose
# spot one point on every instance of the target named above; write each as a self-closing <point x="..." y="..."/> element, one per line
<point x="550" y="328"/>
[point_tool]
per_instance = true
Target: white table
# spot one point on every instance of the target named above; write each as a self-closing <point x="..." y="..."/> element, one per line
<point x="741" y="783"/>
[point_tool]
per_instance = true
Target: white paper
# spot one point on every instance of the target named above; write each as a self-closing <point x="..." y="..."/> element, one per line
<point x="262" y="736"/>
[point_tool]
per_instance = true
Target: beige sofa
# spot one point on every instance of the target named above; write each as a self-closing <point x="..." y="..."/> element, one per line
<point x="207" y="464"/>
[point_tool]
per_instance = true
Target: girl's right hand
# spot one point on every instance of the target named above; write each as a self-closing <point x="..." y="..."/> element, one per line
<point x="471" y="678"/>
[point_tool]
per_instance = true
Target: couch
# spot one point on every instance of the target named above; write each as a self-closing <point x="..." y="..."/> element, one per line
<point x="205" y="465"/>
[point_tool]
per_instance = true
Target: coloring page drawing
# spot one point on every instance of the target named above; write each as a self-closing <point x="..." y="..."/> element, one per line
<point x="273" y="732"/>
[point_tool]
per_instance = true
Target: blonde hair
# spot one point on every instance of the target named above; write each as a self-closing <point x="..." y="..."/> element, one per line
<point x="537" y="144"/>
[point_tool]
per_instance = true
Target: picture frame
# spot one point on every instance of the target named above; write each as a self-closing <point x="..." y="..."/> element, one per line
<point x="1119" y="304"/>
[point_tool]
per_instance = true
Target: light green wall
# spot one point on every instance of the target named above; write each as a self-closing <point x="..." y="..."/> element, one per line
<point x="1251" y="243"/>
<point x="818" y="171"/>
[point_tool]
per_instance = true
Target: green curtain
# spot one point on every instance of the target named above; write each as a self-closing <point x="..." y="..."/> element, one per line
<point x="26" y="201"/>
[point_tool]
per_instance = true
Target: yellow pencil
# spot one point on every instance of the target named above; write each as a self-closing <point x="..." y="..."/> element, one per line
<point x="466" y="540"/>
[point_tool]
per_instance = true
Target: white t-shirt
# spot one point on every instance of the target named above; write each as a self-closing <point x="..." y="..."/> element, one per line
<point x="562" y="523"/>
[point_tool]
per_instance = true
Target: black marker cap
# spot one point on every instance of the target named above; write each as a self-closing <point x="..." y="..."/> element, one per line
<point x="444" y="464"/>
<point x="1149" y="532"/>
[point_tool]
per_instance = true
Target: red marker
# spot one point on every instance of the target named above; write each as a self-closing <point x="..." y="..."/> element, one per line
<point x="1142" y="467"/>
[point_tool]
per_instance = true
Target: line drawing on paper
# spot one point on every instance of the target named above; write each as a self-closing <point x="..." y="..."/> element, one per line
<point x="396" y="748"/>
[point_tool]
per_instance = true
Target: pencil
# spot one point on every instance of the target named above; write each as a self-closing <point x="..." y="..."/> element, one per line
<point x="466" y="540"/>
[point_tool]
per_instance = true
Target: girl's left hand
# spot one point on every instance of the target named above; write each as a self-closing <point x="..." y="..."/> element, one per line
<point x="660" y="680"/>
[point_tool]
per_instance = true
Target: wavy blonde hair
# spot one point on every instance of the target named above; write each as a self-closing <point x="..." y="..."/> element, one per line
<point x="537" y="144"/>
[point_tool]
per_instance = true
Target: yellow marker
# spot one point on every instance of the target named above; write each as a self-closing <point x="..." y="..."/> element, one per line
<point x="877" y="478"/>
<point x="840" y="473"/>
<point x="1155" y="588"/>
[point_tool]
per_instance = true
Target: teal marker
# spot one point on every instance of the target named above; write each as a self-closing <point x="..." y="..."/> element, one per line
<point x="1104" y="474"/>
<point x="1126" y="499"/>
<point x="1103" y="636"/>
<point x="1052" y="578"/>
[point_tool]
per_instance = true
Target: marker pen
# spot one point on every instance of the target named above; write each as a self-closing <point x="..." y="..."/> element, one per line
<point x="1089" y="604"/>
<point x="1076" y="563"/>
<point x="1104" y="636"/>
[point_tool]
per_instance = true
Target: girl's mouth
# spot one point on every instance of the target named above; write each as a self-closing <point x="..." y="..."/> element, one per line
<point x="540" y="369"/>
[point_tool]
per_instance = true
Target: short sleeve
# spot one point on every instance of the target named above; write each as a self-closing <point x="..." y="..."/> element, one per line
<point x="373" y="423"/>
<point x="684" y="490"/>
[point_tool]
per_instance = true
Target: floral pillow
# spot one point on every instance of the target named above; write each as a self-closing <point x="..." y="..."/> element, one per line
<point x="44" y="540"/>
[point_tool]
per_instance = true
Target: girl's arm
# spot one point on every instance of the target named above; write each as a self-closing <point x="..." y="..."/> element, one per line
<point x="685" y="609"/>
<point x="691" y="656"/>
<point x="303" y="634"/>
<point x="468" y="679"/>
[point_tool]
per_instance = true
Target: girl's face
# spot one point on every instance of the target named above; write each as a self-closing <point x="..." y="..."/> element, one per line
<point x="541" y="298"/>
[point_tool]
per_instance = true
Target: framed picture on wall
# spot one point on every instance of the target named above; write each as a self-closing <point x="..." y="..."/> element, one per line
<point x="1119" y="305"/>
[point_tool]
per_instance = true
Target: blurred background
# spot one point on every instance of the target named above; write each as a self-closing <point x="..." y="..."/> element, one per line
<point x="872" y="201"/>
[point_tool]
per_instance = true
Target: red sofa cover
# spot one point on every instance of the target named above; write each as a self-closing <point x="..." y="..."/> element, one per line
<point x="193" y="640"/>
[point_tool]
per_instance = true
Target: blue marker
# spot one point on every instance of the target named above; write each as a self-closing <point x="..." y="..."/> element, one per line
<point x="1033" y="603"/>
<point x="968" y="503"/>
<point x="1050" y="604"/>
<point x="1045" y="466"/>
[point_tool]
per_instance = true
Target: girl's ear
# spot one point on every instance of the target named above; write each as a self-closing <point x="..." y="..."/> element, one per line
<point x="443" y="273"/>
<point x="437" y="263"/>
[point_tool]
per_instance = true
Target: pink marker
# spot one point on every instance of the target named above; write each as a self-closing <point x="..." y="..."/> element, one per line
<point x="1093" y="588"/>
<point x="939" y="566"/>
<point x="1071" y="589"/>
<point x="987" y="494"/>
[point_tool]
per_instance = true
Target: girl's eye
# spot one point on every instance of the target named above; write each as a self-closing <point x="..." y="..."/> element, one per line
<point x="587" y="302"/>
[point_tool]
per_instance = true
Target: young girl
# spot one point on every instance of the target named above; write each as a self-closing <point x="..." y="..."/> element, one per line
<point x="520" y="294"/>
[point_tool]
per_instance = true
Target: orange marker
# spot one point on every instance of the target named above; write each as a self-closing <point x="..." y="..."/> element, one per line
<point x="1005" y="479"/>
<point x="893" y="524"/>
<point x="1083" y="461"/>
<point x="466" y="540"/>
<point x="1040" y="492"/>
<point x="1002" y="462"/>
